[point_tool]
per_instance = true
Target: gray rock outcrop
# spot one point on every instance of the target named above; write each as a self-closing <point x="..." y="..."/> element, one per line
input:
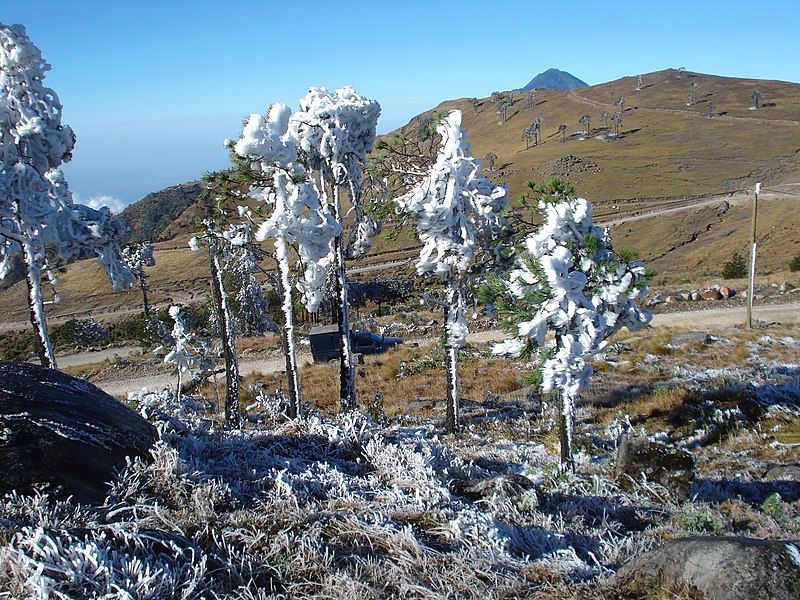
<point x="718" y="568"/>
<point x="640" y="458"/>
<point x="63" y="435"/>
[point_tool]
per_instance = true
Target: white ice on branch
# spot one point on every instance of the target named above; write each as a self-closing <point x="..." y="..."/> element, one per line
<point x="298" y="216"/>
<point x="36" y="206"/>
<point x="336" y="128"/>
<point x="459" y="213"/>
<point x="334" y="131"/>
<point x="575" y="285"/>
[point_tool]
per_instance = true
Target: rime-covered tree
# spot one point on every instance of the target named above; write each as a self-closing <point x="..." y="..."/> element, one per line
<point x="459" y="223"/>
<point x="333" y="132"/>
<point x="617" y="119"/>
<point x="297" y="219"/>
<point x="36" y="208"/>
<point x="585" y="121"/>
<point x="638" y="83"/>
<point x="220" y="243"/>
<point x="186" y="354"/>
<point x="137" y="256"/>
<point x="620" y="103"/>
<point x="569" y="281"/>
<point x="474" y="102"/>
<point x="537" y="128"/>
<point x="531" y="99"/>
<point x="563" y="131"/>
<point x="490" y="158"/>
<point x="711" y="108"/>
<point x="604" y="118"/>
<point x="527" y="134"/>
<point x="756" y="98"/>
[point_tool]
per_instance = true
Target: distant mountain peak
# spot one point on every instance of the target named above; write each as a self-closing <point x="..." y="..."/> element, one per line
<point x="553" y="79"/>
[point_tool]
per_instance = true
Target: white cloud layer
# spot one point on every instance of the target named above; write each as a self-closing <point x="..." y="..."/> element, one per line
<point x="112" y="202"/>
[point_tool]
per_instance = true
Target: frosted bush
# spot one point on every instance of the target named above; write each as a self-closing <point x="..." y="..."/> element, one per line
<point x="111" y="562"/>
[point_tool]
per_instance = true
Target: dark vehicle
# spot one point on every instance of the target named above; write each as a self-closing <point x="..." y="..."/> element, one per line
<point x="326" y="343"/>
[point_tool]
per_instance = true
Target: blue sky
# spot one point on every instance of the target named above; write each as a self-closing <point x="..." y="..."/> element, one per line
<point x="152" y="88"/>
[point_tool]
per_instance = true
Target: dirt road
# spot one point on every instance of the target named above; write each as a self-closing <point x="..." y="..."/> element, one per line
<point x="694" y="319"/>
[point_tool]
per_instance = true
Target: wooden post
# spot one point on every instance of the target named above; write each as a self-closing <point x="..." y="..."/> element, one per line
<point x="752" y="259"/>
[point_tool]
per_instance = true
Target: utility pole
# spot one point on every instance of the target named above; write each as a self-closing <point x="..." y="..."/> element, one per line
<point x="752" y="260"/>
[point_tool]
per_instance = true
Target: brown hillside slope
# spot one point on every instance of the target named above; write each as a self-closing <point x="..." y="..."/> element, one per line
<point x="665" y="149"/>
<point x="668" y="156"/>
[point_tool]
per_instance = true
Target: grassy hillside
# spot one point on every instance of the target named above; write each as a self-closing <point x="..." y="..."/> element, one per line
<point x="667" y="155"/>
<point x="666" y="149"/>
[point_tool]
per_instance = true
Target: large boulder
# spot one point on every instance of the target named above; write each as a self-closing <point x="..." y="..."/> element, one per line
<point x="641" y="458"/>
<point x="63" y="435"/>
<point x="722" y="568"/>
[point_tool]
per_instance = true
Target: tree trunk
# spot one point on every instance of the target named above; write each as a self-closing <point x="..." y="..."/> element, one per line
<point x="453" y="424"/>
<point x="287" y="332"/>
<point x="233" y="413"/>
<point x="566" y="423"/>
<point x="143" y="285"/>
<point x="567" y="431"/>
<point x="33" y="279"/>
<point x="347" y="384"/>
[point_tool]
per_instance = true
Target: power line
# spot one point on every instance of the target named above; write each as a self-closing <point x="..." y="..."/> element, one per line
<point x="781" y="192"/>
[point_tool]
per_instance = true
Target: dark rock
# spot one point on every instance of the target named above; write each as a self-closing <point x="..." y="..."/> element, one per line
<point x="507" y="485"/>
<point x="691" y="338"/>
<point x="722" y="568"/>
<point x="668" y="466"/>
<point x="783" y="473"/>
<point x="63" y="435"/>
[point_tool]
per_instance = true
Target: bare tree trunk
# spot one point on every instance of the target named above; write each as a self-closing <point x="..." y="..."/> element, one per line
<point x="347" y="384"/>
<point x="33" y="279"/>
<point x="567" y="432"/>
<point x="566" y="424"/>
<point x="287" y="333"/>
<point x="143" y="286"/>
<point x="233" y="413"/>
<point x="453" y="424"/>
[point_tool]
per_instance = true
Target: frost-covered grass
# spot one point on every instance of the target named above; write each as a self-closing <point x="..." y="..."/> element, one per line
<point x="344" y="507"/>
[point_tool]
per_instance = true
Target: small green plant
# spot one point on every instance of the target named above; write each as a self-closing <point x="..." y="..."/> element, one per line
<point x="528" y="502"/>
<point x="735" y="268"/>
<point x="700" y="520"/>
<point x="772" y="506"/>
<point x="794" y="264"/>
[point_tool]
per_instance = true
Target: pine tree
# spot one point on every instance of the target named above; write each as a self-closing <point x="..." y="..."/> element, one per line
<point x="333" y="132"/>
<point x="297" y="218"/>
<point x="136" y="257"/>
<point x="36" y="208"/>
<point x="567" y="280"/>
<point x="459" y="223"/>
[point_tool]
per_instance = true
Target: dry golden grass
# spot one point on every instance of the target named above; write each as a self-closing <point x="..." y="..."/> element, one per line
<point x="421" y="392"/>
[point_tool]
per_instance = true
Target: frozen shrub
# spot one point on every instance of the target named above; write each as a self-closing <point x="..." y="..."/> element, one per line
<point x="80" y="333"/>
